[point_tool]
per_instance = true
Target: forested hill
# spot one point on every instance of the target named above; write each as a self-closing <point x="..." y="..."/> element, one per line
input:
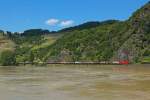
<point x="88" y="25"/>
<point x="91" y="41"/>
<point x="107" y="41"/>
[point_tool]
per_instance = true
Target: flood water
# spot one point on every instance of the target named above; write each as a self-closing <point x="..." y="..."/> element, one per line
<point x="75" y="82"/>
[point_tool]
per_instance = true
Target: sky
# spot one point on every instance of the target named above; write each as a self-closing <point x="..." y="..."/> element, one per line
<point x="20" y="15"/>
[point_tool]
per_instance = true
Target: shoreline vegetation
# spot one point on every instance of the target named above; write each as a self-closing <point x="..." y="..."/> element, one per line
<point x="106" y="42"/>
<point x="81" y="63"/>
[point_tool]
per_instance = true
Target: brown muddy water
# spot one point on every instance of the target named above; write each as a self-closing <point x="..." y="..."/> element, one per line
<point x="75" y="82"/>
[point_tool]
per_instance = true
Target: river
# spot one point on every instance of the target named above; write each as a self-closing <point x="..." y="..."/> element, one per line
<point x="75" y="82"/>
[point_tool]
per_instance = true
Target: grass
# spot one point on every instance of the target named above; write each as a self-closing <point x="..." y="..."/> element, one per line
<point x="49" y="40"/>
<point x="146" y="60"/>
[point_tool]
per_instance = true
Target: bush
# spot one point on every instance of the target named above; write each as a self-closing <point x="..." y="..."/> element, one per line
<point x="146" y="53"/>
<point x="7" y="58"/>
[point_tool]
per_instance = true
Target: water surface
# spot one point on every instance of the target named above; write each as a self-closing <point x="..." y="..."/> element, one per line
<point x="75" y="82"/>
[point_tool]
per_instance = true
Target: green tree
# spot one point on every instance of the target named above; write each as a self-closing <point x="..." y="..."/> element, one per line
<point x="7" y="58"/>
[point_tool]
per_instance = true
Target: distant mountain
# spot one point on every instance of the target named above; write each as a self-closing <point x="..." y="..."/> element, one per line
<point x="88" y="25"/>
<point x="32" y="32"/>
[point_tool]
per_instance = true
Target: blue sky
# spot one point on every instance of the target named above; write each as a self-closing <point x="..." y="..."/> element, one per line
<point x="19" y="15"/>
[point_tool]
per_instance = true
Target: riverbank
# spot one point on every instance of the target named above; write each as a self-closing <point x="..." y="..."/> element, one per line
<point x="83" y="63"/>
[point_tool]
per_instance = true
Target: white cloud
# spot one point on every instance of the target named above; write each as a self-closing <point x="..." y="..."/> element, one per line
<point x="52" y="21"/>
<point x="66" y="23"/>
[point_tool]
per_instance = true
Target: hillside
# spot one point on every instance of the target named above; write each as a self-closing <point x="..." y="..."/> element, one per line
<point x="34" y="45"/>
<point x="139" y="41"/>
<point x="7" y="48"/>
<point x="87" y="25"/>
<point x="110" y="40"/>
<point x="5" y="43"/>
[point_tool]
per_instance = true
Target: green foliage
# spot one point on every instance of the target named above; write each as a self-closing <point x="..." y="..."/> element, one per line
<point x="102" y="42"/>
<point x="88" y="25"/>
<point x="147" y="53"/>
<point x="91" y="41"/>
<point x="146" y="59"/>
<point x="7" y="58"/>
<point x="31" y="47"/>
<point x="88" y="44"/>
<point x="35" y="32"/>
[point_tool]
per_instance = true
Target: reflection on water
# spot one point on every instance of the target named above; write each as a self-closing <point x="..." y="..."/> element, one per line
<point x="75" y="82"/>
